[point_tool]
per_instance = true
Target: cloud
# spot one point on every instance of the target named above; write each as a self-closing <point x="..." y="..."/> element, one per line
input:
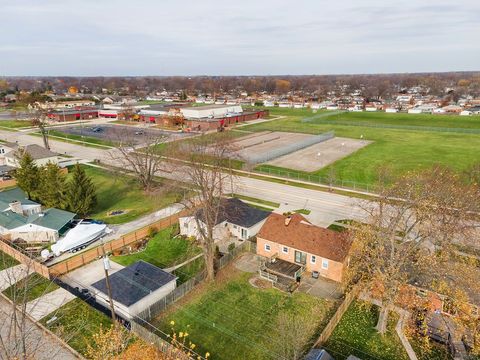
<point x="120" y="37"/>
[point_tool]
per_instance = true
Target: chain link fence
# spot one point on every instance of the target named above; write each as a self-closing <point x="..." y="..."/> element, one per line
<point x="317" y="179"/>
<point x="289" y="148"/>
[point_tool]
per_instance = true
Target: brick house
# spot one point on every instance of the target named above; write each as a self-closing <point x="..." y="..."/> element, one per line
<point x="294" y="240"/>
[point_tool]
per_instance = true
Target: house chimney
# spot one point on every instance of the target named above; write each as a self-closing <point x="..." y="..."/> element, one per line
<point x="16" y="207"/>
<point x="287" y="220"/>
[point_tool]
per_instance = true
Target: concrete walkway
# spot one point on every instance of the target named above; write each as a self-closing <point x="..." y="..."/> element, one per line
<point x="48" y="303"/>
<point x="399" y="328"/>
<point x="12" y="275"/>
<point x="119" y="230"/>
<point x="173" y="268"/>
<point x="41" y="344"/>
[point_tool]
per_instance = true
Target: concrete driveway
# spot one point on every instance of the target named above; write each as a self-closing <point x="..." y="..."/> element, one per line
<point x="321" y="287"/>
<point x="89" y="274"/>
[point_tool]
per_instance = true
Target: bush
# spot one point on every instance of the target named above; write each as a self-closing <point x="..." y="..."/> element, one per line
<point x="152" y="231"/>
<point x="231" y="247"/>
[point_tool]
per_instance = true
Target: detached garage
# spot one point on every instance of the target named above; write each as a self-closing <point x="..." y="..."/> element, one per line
<point x="135" y="288"/>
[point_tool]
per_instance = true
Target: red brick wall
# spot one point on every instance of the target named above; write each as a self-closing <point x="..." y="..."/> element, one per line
<point x="334" y="271"/>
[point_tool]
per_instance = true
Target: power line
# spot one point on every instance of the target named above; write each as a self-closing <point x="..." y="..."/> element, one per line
<point x="96" y="293"/>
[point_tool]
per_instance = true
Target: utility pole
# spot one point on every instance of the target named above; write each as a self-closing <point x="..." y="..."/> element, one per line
<point x="106" y="267"/>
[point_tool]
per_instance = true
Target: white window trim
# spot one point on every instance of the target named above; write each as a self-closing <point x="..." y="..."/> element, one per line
<point x="283" y="249"/>
<point x="313" y="259"/>
<point x="325" y="261"/>
<point x="267" y="247"/>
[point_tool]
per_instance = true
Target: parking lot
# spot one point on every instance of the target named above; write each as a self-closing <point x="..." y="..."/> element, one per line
<point x="119" y="133"/>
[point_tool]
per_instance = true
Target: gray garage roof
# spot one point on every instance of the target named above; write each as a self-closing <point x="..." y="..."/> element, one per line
<point x="35" y="151"/>
<point x="237" y="212"/>
<point x="133" y="283"/>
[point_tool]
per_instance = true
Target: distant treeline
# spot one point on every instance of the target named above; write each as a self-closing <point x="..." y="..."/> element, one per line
<point x="320" y="86"/>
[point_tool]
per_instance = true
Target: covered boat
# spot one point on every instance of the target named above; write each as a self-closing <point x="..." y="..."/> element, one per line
<point x="83" y="233"/>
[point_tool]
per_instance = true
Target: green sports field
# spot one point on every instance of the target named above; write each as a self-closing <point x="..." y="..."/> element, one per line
<point x="434" y="139"/>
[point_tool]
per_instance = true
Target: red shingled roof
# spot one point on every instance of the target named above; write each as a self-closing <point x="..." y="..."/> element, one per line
<point x="302" y="235"/>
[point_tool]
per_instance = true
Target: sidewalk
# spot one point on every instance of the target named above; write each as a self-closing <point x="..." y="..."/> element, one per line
<point x="12" y="275"/>
<point x="48" y="303"/>
<point x="119" y="230"/>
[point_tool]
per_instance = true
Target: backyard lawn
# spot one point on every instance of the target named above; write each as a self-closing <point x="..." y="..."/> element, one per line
<point x="231" y="319"/>
<point x="117" y="192"/>
<point x="163" y="250"/>
<point x="76" y="323"/>
<point x="399" y="149"/>
<point x="355" y="334"/>
<point x="6" y="261"/>
<point x="30" y="288"/>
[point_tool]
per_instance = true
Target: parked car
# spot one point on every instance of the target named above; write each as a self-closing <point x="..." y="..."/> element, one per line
<point x="97" y="129"/>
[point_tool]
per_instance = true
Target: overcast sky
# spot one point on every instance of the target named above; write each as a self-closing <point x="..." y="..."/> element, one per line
<point x="237" y="37"/>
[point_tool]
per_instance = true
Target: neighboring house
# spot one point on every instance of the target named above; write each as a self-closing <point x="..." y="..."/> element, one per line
<point x="135" y="288"/>
<point x="39" y="154"/>
<point x="235" y="219"/>
<point x="21" y="218"/>
<point x="293" y="239"/>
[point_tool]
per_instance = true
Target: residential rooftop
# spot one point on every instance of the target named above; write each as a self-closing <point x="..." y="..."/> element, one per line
<point x="35" y="151"/>
<point x="134" y="282"/>
<point x="297" y="232"/>
<point x="237" y="212"/>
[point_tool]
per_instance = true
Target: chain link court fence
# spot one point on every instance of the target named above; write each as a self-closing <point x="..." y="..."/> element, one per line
<point x="289" y="148"/>
<point x="317" y="179"/>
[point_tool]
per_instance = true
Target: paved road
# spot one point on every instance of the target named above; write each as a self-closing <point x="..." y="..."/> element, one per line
<point x="326" y="207"/>
<point x="40" y="344"/>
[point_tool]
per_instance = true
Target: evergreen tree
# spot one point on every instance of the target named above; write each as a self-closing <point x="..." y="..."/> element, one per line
<point x="51" y="192"/>
<point x="81" y="195"/>
<point x="27" y="174"/>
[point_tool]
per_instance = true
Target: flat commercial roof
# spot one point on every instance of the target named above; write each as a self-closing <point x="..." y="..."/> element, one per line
<point x="207" y="107"/>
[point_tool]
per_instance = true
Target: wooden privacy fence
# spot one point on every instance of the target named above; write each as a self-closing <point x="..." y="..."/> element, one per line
<point x="24" y="259"/>
<point x="7" y="183"/>
<point x="332" y="324"/>
<point x="85" y="257"/>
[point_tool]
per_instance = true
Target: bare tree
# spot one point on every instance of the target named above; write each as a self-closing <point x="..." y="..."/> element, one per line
<point x="20" y="336"/>
<point x="206" y="167"/>
<point x="408" y="237"/>
<point x="40" y="120"/>
<point x="141" y="154"/>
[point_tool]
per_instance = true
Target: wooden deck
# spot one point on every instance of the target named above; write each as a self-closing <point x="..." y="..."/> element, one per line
<point x="282" y="268"/>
